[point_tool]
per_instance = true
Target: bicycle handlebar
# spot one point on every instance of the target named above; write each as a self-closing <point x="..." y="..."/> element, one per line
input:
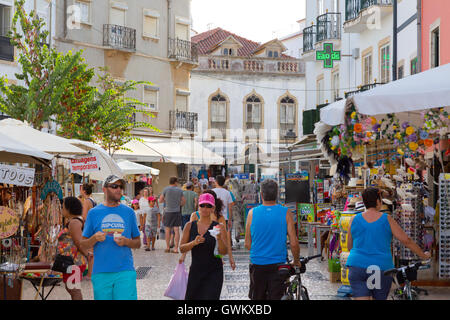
<point x="307" y="259"/>
<point x="413" y="266"/>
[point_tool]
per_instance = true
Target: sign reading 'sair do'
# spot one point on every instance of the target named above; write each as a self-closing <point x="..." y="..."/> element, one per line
<point x="328" y="55"/>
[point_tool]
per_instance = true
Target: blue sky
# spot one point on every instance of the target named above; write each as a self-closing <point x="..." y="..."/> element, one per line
<point x="257" y="20"/>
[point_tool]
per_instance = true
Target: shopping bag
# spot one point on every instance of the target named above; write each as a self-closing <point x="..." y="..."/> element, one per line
<point x="178" y="283"/>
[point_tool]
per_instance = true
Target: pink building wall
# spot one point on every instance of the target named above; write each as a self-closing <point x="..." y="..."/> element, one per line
<point x="432" y="10"/>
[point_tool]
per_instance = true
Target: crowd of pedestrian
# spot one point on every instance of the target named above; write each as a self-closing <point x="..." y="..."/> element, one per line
<point x="108" y="232"/>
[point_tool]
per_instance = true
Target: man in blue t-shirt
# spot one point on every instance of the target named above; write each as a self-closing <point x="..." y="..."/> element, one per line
<point x="265" y="237"/>
<point x="111" y="229"/>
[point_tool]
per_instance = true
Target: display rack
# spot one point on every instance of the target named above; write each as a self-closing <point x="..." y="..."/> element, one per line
<point x="444" y="226"/>
<point x="411" y="221"/>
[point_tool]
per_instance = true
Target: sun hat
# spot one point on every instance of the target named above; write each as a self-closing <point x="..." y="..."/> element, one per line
<point x="206" y="198"/>
<point x="135" y="201"/>
<point x="151" y="198"/>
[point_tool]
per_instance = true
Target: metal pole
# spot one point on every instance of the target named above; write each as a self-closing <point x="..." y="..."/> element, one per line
<point x="394" y="49"/>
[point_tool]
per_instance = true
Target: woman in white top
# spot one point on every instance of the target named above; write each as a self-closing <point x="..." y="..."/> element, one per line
<point x="145" y="208"/>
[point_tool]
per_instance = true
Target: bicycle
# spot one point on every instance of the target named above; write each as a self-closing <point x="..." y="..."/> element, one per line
<point x="404" y="275"/>
<point x="294" y="289"/>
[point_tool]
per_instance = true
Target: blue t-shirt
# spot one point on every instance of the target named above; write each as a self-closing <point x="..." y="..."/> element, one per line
<point x="269" y="235"/>
<point x="109" y="257"/>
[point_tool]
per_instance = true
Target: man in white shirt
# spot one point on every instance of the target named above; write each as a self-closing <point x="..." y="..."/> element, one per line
<point x="203" y="181"/>
<point x="224" y="195"/>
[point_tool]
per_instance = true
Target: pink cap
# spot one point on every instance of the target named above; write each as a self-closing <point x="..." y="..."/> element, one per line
<point x="151" y="198"/>
<point x="206" y="198"/>
<point x="135" y="201"/>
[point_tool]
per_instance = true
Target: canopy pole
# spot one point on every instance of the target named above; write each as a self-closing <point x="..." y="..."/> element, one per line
<point x="73" y="185"/>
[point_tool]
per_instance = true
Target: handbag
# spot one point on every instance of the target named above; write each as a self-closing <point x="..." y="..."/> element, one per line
<point x="62" y="263"/>
<point x="178" y="283"/>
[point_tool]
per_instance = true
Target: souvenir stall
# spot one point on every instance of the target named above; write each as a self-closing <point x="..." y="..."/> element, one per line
<point x="27" y="213"/>
<point x="394" y="137"/>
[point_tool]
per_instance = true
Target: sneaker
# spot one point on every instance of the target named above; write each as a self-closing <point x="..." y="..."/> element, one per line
<point x="153" y="249"/>
<point x="147" y="249"/>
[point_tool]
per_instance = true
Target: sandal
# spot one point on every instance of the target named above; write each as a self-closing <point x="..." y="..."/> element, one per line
<point x="167" y="250"/>
<point x="173" y="251"/>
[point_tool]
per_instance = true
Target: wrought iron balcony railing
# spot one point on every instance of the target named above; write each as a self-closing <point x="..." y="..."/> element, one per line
<point x="309" y="38"/>
<point x="182" y="120"/>
<point x="119" y="37"/>
<point x="6" y="49"/>
<point x="354" y="7"/>
<point x="183" y="50"/>
<point x="328" y="27"/>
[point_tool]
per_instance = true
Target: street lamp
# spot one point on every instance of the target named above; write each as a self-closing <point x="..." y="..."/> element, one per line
<point x="290" y="135"/>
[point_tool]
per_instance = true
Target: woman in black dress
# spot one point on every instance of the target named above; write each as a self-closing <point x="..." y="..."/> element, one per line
<point x="206" y="272"/>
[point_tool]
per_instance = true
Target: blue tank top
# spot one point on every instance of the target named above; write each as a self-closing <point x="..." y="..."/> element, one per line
<point x="268" y="232"/>
<point x="371" y="243"/>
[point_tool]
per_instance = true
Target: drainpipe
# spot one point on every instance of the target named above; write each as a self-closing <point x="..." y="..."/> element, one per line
<point x="65" y="19"/>
<point x="394" y="63"/>
<point x="419" y="35"/>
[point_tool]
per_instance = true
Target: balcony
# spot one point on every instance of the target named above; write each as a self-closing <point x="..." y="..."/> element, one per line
<point x="359" y="14"/>
<point x="6" y="49"/>
<point x="183" y="121"/>
<point x="253" y="65"/>
<point x="362" y="89"/>
<point x="328" y="27"/>
<point x="183" y="50"/>
<point x="119" y="37"/>
<point x="309" y="38"/>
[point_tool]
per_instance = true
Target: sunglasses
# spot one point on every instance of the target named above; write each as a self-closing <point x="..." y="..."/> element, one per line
<point x="205" y="205"/>
<point x="115" y="186"/>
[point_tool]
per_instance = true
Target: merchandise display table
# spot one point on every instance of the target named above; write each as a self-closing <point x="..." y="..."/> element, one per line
<point x="41" y="279"/>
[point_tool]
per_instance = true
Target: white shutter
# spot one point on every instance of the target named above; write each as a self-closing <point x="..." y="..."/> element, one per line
<point x="290" y="114"/>
<point x="181" y="103"/>
<point x="151" y="99"/>
<point x="117" y="17"/>
<point x="84" y="9"/>
<point x="182" y="31"/>
<point x="256" y="113"/>
<point x="5" y="20"/>
<point x="150" y="26"/>
<point x="283" y="113"/>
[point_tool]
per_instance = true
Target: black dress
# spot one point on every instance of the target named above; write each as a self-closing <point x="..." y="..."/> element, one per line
<point x="206" y="272"/>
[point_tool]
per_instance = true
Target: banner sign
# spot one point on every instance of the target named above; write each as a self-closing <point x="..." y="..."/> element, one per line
<point x="84" y="164"/>
<point x="17" y="176"/>
<point x="298" y="176"/>
<point x="9" y="222"/>
<point x="242" y="176"/>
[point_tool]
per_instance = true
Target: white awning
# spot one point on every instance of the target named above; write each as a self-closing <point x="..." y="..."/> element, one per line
<point x="36" y="139"/>
<point x="130" y="168"/>
<point x="14" y="151"/>
<point x="138" y="151"/>
<point x="186" y="151"/>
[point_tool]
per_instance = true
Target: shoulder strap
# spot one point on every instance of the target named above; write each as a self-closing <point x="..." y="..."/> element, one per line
<point x="93" y="202"/>
<point x="78" y="218"/>
<point x="198" y="215"/>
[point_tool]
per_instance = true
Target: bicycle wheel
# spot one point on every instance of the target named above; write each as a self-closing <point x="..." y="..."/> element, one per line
<point x="303" y="294"/>
<point x="287" y="297"/>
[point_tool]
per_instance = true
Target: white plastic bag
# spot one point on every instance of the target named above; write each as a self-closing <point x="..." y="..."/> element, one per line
<point x="178" y="283"/>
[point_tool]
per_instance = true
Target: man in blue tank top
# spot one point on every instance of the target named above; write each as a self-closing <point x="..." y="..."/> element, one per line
<point x="266" y="233"/>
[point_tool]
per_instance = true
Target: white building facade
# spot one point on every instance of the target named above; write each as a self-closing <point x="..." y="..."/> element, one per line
<point x="248" y="96"/>
<point x="363" y="33"/>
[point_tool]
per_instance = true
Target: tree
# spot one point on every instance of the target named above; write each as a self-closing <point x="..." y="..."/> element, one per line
<point x="46" y="75"/>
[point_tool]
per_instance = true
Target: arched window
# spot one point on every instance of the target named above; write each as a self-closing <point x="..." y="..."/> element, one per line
<point x="253" y="110"/>
<point x="287" y="115"/>
<point x="219" y="113"/>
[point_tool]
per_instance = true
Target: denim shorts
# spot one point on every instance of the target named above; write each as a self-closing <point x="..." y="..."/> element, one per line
<point x="362" y="288"/>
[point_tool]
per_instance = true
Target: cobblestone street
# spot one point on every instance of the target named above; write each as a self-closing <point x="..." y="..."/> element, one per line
<point x="155" y="269"/>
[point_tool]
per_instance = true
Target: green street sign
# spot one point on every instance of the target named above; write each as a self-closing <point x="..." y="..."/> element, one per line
<point x="328" y="55"/>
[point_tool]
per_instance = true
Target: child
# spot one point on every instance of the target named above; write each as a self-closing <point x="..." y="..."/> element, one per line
<point x="139" y="213"/>
<point x="153" y="223"/>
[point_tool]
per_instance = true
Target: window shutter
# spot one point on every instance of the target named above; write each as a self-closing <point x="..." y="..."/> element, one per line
<point x="150" y="98"/>
<point x="117" y="17"/>
<point x="151" y="26"/>
<point x="182" y="31"/>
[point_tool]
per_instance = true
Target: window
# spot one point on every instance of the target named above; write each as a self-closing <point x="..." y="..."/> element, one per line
<point x="5" y="20"/>
<point x="435" y="48"/>
<point x="219" y="115"/>
<point x="335" y="5"/>
<point x="151" y="24"/>
<point x="253" y="110"/>
<point x="385" y="64"/>
<point x="401" y="72"/>
<point x="320" y="7"/>
<point x="287" y="111"/>
<point x="181" y="102"/>
<point x="414" y="66"/>
<point x="367" y="70"/>
<point x="182" y="31"/>
<point x="272" y="54"/>
<point x="151" y="99"/>
<point x="85" y="9"/>
<point x="335" y="85"/>
<point x="117" y="16"/>
<point x="227" y="52"/>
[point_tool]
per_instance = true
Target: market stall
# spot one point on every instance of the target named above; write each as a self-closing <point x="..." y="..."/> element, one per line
<point x="395" y="137"/>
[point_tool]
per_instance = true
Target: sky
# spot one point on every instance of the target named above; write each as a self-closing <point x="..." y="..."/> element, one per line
<point x="256" y="20"/>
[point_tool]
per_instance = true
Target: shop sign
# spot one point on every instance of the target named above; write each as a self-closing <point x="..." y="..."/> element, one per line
<point x="17" y="176"/>
<point x="299" y="176"/>
<point x="242" y="176"/>
<point x="84" y="164"/>
<point x="328" y="55"/>
<point x="9" y="222"/>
